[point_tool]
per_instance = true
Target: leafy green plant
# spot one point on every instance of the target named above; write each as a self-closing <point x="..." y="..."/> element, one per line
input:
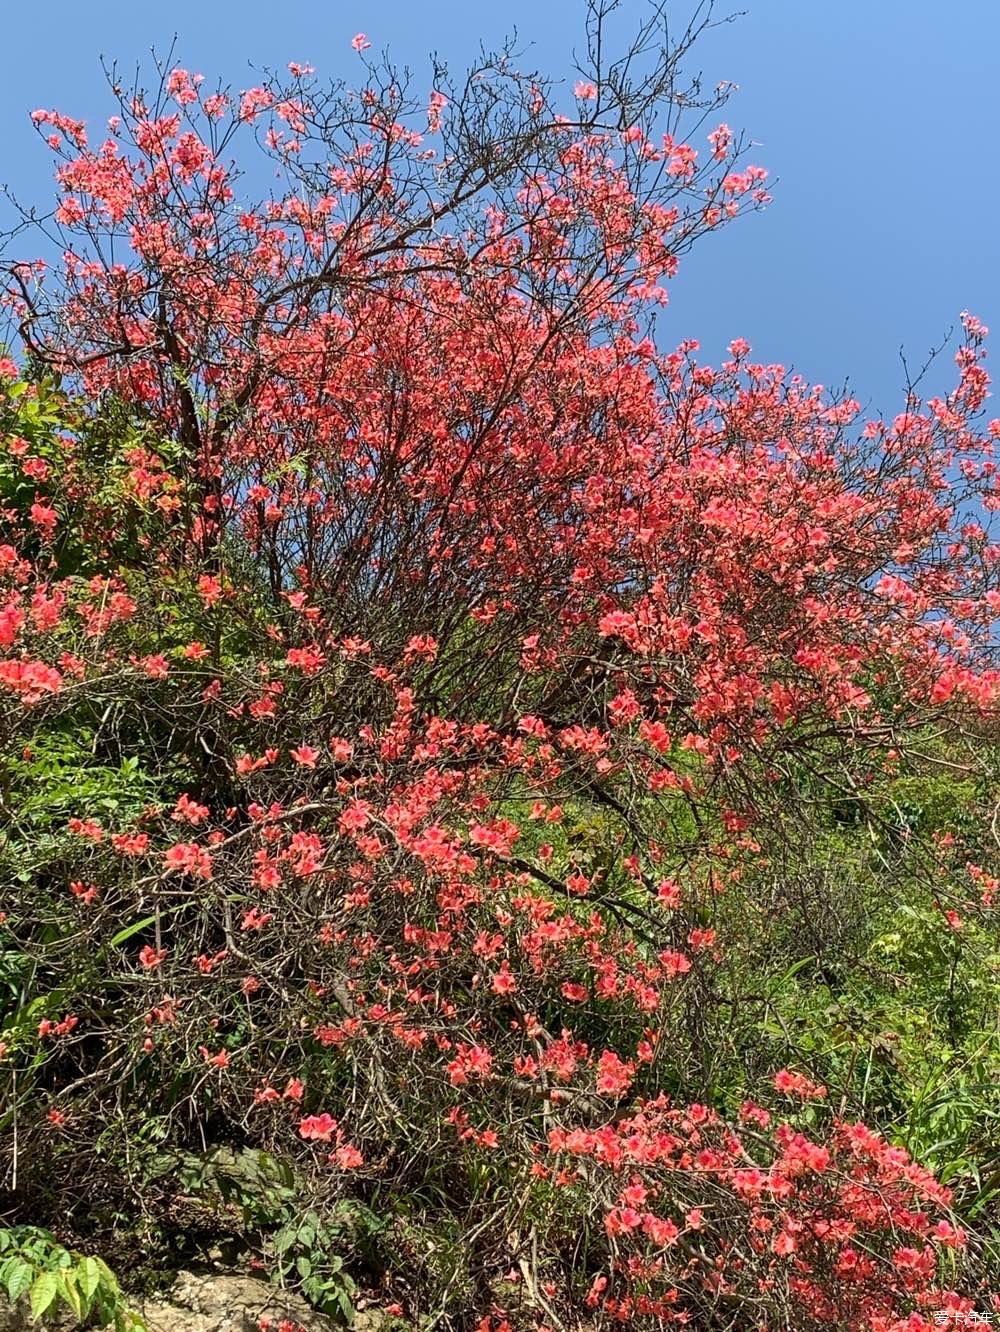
<point x="309" y="1253"/>
<point x="262" y="1196"/>
<point x="36" y="1267"/>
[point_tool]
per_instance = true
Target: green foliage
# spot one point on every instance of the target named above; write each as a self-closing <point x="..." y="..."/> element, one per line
<point x="74" y="446"/>
<point x="54" y="1279"/>
<point x="309" y="1252"/>
<point x="261" y="1197"/>
<point x="57" y="778"/>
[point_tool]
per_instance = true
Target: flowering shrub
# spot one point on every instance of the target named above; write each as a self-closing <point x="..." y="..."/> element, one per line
<point x="700" y="1214"/>
<point x="415" y="660"/>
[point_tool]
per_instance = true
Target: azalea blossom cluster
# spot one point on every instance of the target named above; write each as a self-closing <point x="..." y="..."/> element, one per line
<point x="847" y="1224"/>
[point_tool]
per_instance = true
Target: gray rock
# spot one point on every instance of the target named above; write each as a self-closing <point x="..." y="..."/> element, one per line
<point x="228" y="1302"/>
<point x="217" y="1302"/>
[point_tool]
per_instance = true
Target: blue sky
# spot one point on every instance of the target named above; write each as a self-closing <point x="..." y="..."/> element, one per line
<point x="878" y="123"/>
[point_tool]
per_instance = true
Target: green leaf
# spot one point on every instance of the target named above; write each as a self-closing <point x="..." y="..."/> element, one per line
<point x="70" y="1292"/>
<point x="19" y="1279"/>
<point x="284" y="1240"/>
<point x="89" y="1276"/>
<point x="107" y="1276"/>
<point x="124" y="935"/>
<point x="43" y="1292"/>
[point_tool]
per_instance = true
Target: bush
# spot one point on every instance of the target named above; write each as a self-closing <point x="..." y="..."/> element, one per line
<point x="441" y="728"/>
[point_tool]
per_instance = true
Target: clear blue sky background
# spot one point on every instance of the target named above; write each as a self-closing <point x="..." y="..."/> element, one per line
<point x="878" y="120"/>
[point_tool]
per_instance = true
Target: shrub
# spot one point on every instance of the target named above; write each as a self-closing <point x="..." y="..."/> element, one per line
<point x="405" y="662"/>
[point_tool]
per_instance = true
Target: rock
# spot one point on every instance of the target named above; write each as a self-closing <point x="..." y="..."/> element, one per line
<point x="216" y="1302"/>
<point x="228" y="1302"/>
